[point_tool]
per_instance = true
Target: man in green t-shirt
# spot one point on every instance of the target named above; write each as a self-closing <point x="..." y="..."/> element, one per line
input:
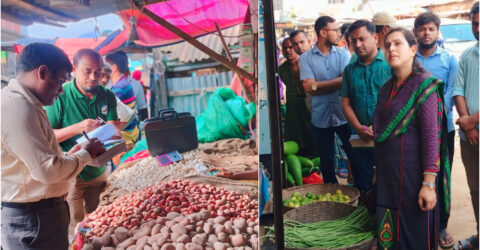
<point x="362" y="78"/>
<point x="76" y="110"/>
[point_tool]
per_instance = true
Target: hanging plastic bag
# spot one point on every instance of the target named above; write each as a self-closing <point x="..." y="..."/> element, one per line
<point x="226" y="116"/>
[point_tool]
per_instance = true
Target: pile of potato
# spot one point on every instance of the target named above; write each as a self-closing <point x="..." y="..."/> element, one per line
<point x="176" y="232"/>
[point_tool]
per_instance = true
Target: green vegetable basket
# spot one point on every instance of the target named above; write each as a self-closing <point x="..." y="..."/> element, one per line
<point x="352" y="192"/>
<point x="323" y="211"/>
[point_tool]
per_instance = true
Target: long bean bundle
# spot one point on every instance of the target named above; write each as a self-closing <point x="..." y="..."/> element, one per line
<point x="339" y="233"/>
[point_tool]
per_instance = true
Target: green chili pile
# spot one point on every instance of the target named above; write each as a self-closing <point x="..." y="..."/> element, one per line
<point x="339" y="233"/>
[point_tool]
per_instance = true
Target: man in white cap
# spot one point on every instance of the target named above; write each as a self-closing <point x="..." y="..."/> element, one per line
<point x="384" y="22"/>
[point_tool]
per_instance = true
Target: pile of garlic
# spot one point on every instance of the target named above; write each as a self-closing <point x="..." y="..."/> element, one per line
<point x="148" y="172"/>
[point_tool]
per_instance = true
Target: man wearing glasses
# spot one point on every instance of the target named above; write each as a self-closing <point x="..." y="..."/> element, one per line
<point x="321" y="71"/>
<point x="36" y="174"/>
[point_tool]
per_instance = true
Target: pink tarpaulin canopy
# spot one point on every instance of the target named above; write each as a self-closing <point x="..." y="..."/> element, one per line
<point x="194" y="17"/>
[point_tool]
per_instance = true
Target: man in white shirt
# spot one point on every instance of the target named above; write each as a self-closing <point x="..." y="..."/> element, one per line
<point x="36" y="174"/>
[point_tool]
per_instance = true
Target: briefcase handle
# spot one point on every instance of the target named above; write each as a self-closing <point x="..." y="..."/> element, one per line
<point x="167" y="114"/>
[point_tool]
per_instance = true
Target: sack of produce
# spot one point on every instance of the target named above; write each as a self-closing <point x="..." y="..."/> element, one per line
<point x="226" y="116"/>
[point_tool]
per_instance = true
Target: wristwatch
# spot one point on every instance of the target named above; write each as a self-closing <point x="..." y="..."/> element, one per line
<point x="429" y="184"/>
<point x="314" y="86"/>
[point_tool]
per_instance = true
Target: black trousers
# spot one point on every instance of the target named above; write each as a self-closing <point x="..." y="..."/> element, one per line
<point x="39" y="227"/>
<point x="324" y="144"/>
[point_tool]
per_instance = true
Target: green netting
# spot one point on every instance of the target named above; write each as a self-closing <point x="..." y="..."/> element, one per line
<point x="225" y="114"/>
<point x="139" y="146"/>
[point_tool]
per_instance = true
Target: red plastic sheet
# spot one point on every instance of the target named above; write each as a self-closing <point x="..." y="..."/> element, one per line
<point x="139" y="155"/>
<point x="69" y="45"/>
<point x="72" y="45"/>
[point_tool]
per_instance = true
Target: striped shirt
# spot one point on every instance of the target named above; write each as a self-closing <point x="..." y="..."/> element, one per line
<point x="124" y="91"/>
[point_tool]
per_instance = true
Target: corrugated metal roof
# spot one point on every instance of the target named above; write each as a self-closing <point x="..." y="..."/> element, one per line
<point x="186" y="53"/>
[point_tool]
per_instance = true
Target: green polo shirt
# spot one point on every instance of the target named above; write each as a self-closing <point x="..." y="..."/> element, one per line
<point x="361" y="83"/>
<point x="73" y="107"/>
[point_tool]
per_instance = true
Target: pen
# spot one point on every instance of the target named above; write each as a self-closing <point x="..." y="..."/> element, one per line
<point x="101" y="120"/>
<point x="85" y="134"/>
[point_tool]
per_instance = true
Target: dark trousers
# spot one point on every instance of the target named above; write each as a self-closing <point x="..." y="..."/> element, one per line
<point x="32" y="227"/>
<point x="469" y="155"/>
<point x="363" y="168"/>
<point x="443" y="214"/>
<point x="324" y="144"/>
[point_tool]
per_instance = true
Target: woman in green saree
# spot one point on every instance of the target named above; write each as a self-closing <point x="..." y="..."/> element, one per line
<point x="408" y="127"/>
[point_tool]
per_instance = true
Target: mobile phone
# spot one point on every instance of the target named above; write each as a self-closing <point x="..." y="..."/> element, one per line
<point x="164" y="160"/>
<point x="175" y="156"/>
<point x="169" y="158"/>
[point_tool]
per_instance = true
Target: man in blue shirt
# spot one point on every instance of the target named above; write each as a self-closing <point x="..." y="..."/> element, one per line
<point x="444" y="66"/>
<point x="360" y="84"/>
<point x="321" y="71"/>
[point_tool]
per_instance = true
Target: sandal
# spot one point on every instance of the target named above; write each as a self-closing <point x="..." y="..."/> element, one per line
<point x="470" y="243"/>
<point x="342" y="173"/>
<point x="443" y="236"/>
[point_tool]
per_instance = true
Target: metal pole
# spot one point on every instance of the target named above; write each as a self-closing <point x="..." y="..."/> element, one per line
<point x="229" y="55"/>
<point x="275" y="120"/>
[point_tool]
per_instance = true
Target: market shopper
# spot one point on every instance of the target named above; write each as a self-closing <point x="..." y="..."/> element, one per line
<point x="444" y="66"/>
<point x="346" y="37"/>
<point x="360" y="84"/>
<point x="137" y="75"/>
<point x="321" y="71"/>
<point x="466" y="101"/>
<point x="140" y="100"/>
<point x="384" y="22"/>
<point x="36" y="174"/>
<point x="105" y="77"/>
<point x="298" y="127"/>
<point x="78" y="110"/>
<point x="124" y="91"/>
<point x="301" y="41"/>
<point x="409" y="127"/>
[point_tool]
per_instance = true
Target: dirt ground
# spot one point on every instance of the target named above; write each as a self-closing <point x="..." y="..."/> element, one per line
<point x="462" y="223"/>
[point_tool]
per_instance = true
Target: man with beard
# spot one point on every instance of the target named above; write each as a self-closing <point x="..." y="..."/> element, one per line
<point x="76" y="110"/>
<point x="297" y="121"/>
<point x="444" y="66"/>
<point x="360" y="84"/>
<point x="321" y="71"/>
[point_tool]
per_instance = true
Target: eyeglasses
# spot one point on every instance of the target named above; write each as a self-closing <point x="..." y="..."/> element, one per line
<point x="336" y="30"/>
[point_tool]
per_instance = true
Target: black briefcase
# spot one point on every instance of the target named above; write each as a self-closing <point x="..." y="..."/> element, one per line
<point x="171" y="131"/>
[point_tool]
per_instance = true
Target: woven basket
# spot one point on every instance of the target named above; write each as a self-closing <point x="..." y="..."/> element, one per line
<point x="316" y="189"/>
<point x="321" y="211"/>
